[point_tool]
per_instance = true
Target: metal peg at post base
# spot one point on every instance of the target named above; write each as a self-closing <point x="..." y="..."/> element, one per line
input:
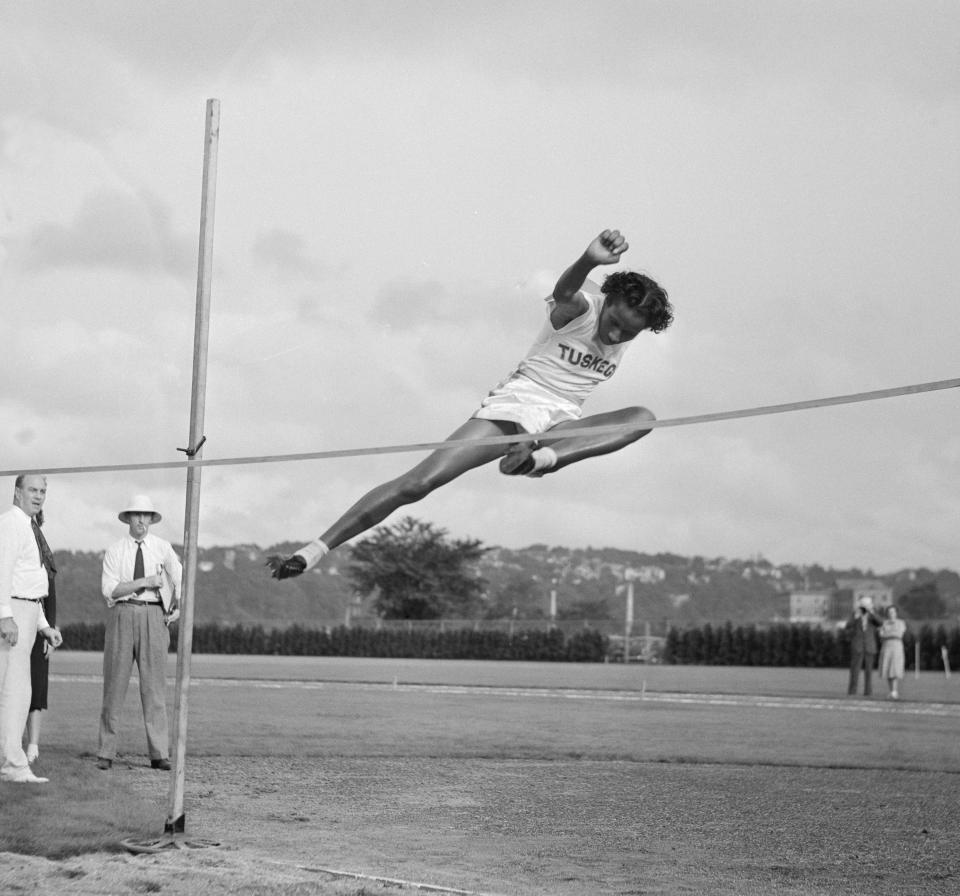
<point x="170" y="840"/>
<point x="177" y="825"/>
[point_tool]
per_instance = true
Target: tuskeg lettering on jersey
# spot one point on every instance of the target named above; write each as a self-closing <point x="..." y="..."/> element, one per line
<point x="586" y="360"/>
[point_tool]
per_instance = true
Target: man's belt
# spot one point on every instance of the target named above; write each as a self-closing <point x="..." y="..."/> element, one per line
<point x="142" y="603"/>
<point x="33" y="600"/>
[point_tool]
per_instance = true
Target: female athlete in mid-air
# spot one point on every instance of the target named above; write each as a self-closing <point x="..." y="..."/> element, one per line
<point x="580" y="345"/>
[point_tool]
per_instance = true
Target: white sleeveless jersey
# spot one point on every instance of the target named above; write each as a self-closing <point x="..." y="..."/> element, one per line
<point x="571" y="361"/>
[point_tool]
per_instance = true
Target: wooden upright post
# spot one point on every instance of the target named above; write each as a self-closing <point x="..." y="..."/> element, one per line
<point x="176" y="818"/>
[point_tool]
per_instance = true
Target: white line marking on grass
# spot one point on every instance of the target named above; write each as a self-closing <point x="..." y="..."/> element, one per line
<point x="845" y="705"/>
<point x="848" y="704"/>
<point x="355" y="875"/>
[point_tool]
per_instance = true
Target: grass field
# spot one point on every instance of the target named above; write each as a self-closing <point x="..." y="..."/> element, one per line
<point x="503" y="778"/>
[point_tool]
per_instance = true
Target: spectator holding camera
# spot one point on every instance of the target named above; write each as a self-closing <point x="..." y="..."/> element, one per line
<point x="862" y="632"/>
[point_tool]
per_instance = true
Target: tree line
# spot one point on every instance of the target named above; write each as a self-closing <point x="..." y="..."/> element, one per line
<point x="413" y="570"/>
<point x="708" y="645"/>
<point x="797" y="645"/>
<point x="584" y="646"/>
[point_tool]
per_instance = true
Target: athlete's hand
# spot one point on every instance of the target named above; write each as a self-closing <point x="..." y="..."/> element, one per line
<point x="607" y="248"/>
<point x="286" y="567"/>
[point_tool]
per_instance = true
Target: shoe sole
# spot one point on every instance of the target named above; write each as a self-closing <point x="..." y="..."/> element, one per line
<point x="517" y="463"/>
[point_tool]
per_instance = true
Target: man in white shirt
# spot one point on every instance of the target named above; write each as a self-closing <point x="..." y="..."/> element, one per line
<point x="23" y="587"/>
<point x="141" y="585"/>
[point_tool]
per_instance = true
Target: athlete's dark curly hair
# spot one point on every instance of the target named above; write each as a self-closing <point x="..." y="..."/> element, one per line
<point x="639" y="289"/>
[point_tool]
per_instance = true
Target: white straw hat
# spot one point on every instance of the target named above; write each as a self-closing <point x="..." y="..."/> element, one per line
<point x="139" y="504"/>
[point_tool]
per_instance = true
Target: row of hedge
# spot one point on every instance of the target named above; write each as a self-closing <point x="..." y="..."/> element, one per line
<point x="797" y="645"/>
<point x="724" y="645"/>
<point x="585" y="646"/>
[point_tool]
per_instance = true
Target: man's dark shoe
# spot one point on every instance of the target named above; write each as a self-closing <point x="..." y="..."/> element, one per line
<point x="104" y="764"/>
<point x="161" y="764"/>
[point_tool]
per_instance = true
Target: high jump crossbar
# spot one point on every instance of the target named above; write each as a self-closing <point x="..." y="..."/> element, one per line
<point x="716" y="417"/>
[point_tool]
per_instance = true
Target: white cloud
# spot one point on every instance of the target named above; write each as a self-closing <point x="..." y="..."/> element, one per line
<point x="114" y="230"/>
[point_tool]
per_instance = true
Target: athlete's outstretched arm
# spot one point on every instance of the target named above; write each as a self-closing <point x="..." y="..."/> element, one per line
<point x="605" y="249"/>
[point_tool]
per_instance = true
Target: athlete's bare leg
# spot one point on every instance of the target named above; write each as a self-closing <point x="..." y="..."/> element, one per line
<point x="445" y="465"/>
<point x="576" y="448"/>
<point x="442" y="466"/>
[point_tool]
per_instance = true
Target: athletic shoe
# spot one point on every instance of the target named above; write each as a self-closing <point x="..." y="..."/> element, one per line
<point x="286" y="567"/>
<point x="104" y="764"/>
<point x="518" y="461"/>
<point x="161" y="764"/>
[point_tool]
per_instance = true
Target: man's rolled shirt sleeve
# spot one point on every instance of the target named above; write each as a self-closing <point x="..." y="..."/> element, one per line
<point x="110" y="575"/>
<point x="175" y="569"/>
<point x="8" y="558"/>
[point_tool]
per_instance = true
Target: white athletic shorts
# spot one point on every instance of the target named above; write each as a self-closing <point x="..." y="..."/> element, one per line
<point x="531" y="406"/>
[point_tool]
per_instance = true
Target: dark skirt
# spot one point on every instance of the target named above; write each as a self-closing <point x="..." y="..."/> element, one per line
<point x="40" y="664"/>
<point x="39" y="675"/>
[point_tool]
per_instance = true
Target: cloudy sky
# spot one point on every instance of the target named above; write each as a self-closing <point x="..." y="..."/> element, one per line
<point x="400" y="183"/>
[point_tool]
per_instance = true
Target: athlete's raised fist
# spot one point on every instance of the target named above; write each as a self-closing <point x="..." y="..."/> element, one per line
<point x="607" y="248"/>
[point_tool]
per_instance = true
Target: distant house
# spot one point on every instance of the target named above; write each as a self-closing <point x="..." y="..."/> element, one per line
<point x="849" y="592"/>
<point x="648" y="575"/>
<point x="827" y="606"/>
<point x="586" y="571"/>
<point x="811" y="607"/>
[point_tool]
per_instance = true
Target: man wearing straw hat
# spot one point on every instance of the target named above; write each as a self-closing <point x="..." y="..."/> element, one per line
<point x="141" y="585"/>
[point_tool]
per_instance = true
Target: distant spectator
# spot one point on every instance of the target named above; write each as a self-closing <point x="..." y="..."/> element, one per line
<point x="891" y="651"/>
<point x="862" y="630"/>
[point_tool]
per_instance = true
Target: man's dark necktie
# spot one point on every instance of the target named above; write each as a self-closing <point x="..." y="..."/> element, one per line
<point x="138" y="566"/>
<point x="46" y="555"/>
<point x="46" y="560"/>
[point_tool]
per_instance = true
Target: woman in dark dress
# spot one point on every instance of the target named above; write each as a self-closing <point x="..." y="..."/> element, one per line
<point x="39" y="657"/>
